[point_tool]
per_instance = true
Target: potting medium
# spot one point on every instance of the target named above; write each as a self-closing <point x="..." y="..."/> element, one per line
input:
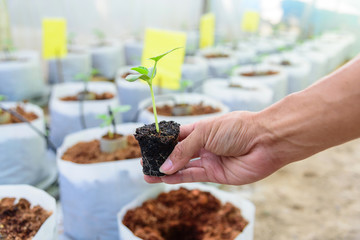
<point x="35" y="197"/>
<point x="92" y="194"/>
<point x="246" y="207"/>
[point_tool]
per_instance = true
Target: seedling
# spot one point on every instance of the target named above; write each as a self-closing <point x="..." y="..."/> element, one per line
<point x="71" y="38"/>
<point x="8" y="49"/>
<point x="86" y="95"/>
<point x="100" y="36"/>
<point x="148" y="74"/>
<point x="109" y="119"/>
<point x="185" y="84"/>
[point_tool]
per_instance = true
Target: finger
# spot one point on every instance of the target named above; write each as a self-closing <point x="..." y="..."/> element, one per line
<point x="183" y="152"/>
<point x="197" y="162"/>
<point x="194" y="174"/>
<point x="152" y="179"/>
<point x="141" y="162"/>
<point x="185" y="130"/>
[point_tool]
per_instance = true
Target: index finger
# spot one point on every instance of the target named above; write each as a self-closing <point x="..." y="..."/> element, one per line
<point x="185" y="131"/>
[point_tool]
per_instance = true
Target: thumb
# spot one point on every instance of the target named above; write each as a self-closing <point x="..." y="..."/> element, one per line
<point x="183" y="152"/>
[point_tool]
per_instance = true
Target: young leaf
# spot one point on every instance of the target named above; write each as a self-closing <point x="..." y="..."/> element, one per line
<point x="157" y="58"/>
<point x="102" y="116"/>
<point x="94" y="71"/>
<point x="80" y="76"/>
<point x="133" y="77"/>
<point x="151" y="69"/>
<point x="141" y="70"/>
<point x="2" y="98"/>
<point x="123" y="108"/>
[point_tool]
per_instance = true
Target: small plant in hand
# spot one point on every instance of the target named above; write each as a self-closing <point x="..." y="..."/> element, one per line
<point x="4" y="116"/>
<point x="112" y="141"/>
<point x="156" y="140"/>
<point x="86" y="77"/>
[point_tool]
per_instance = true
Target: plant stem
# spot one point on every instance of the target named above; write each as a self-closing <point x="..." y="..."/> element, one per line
<point x="153" y="98"/>
<point x="154" y="109"/>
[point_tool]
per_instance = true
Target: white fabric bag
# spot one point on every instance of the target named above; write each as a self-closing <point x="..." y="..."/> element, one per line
<point x="147" y="117"/>
<point x="65" y="115"/>
<point x="23" y="158"/>
<point x="219" y="67"/>
<point x="35" y="197"/>
<point x="252" y="97"/>
<point x="133" y="51"/>
<point x="92" y="194"/>
<point x="277" y="82"/>
<point x="74" y="63"/>
<point x="108" y="58"/>
<point x="298" y="71"/>
<point x="22" y="79"/>
<point x="247" y="208"/>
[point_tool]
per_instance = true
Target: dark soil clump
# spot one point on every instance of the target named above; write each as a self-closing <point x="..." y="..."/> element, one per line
<point x="185" y="214"/>
<point x="102" y="96"/>
<point x="156" y="147"/>
<point x="196" y="109"/>
<point x="89" y="152"/>
<point x="20" y="220"/>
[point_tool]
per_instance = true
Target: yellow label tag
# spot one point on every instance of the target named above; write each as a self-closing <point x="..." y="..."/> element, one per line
<point x="207" y="30"/>
<point x="250" y="21"/>
<point x="54" y="38"/>
<point x="168" y="73"/>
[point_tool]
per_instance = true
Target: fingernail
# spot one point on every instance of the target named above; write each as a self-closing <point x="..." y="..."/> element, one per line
<point x="167" y="165"/>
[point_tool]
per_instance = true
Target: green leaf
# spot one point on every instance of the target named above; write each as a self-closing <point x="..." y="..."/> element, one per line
<point x="122" y="108"/>
<point x="150" y="72"/>
<point x="80" y="76"/>
<point x="94" y="71"/>
<point x="133" y="77"/>
<point x="145" y="77"/>
<point x="2" y="98"/>
<point x="102" y="116"/>
<point x="141" y="70"/>
<point x="157" y="58"/>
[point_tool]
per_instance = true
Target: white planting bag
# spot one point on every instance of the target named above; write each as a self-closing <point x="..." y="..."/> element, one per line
<point x="92" y="194"/>
<point x="23" y="157"/>
<point x="219" y="67"/>
<point x="133" y="52"/>
<point x="65" y="115"/>
<point x="35" y="197"/>
<point x="298" y="71"/>
<point x="194" y="69"/>
<point x="277" y="82"/>
<point x="317" y="61"/>
<point x="108" y="58"/>
<point x="253" y="97"/>
<point x="147" y="117"/>
<point x="131" y="93"/>
<point x="247" y="208"/>
<point x="22" y="79"/>
<point x="73" y="64"/>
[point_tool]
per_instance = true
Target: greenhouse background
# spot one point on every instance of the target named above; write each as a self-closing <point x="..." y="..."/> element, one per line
<point x="71" y="114"/>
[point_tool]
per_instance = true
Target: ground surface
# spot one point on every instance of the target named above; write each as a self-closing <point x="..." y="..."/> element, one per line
<point x="315" y="199"/>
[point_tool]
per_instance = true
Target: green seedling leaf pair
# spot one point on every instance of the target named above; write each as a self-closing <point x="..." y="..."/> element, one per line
<point x="86" y="77"/>
<point x="148" y="74"/>
<point x="109" y="119"/>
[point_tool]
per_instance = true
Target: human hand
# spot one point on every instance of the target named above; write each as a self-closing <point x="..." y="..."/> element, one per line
<point x="229" y="148"/>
